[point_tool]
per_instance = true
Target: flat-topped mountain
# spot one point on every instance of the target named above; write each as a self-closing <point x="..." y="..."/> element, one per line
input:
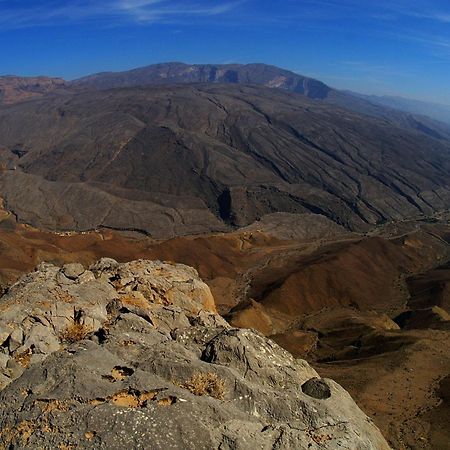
<point x="171" y="160"/>
<point x="261" y="75"/>
<point x="180" y="73"/>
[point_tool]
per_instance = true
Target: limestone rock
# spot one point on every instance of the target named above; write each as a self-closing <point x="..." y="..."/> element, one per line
<point x="73" y="270"/>
<point x="138" y="358"/>
<point x="43" y="308"/>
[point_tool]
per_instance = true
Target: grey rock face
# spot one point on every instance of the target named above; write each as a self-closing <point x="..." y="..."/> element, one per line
<point x="136" y="357"/>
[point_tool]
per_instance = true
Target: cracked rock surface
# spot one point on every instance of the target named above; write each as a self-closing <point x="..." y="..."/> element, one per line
<point x="135" y="356"/>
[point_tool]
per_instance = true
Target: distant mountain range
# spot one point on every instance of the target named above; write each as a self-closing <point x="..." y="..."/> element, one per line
<point x="14" y="89"/>
<point x="434" y="110"/>
<point x="176" y="149"/>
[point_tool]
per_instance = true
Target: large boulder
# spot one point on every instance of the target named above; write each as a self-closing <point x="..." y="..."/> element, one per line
<point x="135" y="356"/>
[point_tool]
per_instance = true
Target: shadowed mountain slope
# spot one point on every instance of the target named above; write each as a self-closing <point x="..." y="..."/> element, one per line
<point x="189" y="159"/>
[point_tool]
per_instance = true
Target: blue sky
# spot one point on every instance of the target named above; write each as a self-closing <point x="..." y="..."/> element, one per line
<point x="394" y="47"/>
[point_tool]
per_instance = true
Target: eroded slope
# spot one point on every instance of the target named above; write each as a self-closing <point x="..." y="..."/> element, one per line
<point x="180" y="160"/>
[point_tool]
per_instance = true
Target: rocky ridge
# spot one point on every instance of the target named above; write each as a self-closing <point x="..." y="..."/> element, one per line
<point x="134" y="356"/>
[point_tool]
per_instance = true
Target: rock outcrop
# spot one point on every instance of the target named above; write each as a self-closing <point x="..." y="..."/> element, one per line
<point x="134" y="356"/>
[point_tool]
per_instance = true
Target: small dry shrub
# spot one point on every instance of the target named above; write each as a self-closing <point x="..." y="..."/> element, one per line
<point x="24" y="358"/>
<point x="206" y="384"/>
<point x="75" y="332"/>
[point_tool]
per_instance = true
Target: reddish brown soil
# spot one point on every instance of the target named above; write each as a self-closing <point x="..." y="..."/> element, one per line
<point x="331" y="302"/>
<point x="220" y="259"/>
<point x="400" y="389"/>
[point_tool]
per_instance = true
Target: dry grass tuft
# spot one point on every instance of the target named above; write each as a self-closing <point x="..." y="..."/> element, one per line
<point x="206" y="384"/>
<point x="24" y="358"/>
<point x="74" y="332"/>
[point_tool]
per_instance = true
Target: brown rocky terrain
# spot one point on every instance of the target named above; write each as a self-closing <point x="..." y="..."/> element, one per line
<point x="350" y="307"/>
<point x="17" y="89"/>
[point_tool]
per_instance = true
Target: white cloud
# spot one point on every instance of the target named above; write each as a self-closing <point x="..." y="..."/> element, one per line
<point x="154" y="10"/>
<point x="148" y="11"/>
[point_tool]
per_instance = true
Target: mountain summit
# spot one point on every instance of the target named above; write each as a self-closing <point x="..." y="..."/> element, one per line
<point x="180" y="73"/>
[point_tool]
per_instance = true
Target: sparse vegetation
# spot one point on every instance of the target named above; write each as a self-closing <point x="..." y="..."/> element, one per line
<point x="206" y="384"/>
<point x="24" y="358"/>
<point x="75" y="332"/>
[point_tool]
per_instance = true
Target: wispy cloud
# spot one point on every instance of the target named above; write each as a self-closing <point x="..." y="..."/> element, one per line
<point x="428" y="10"/>
<point x="437" y="46"/>
<point x="442" y="17"/>
<point x="422" y="22"/>
<point x="154" y="10"/>
<point x="24" y="13"/>
<point x="388" y="10"/>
